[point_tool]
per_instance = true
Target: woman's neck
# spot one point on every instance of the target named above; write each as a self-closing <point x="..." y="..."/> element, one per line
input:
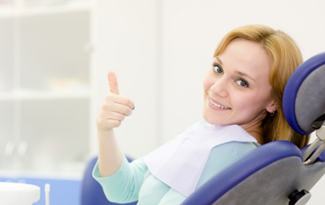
<point x="257" y="134"/>
<point x="254" y="128"/>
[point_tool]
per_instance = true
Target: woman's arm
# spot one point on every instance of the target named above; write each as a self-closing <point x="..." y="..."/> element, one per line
<point x="113" y="111"/>
<point x="124" y="185"/>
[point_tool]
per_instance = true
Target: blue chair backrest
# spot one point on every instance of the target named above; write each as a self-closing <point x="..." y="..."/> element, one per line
<point x="265" y="176"/>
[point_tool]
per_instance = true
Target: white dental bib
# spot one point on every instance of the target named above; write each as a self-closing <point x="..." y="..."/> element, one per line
<point x="180" y="162"/>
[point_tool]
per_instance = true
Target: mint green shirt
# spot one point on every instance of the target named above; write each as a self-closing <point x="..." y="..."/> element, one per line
<point x="134" y="182"/>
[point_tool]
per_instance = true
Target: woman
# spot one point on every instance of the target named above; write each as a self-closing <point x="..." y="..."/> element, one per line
<point x="242" y="109"/>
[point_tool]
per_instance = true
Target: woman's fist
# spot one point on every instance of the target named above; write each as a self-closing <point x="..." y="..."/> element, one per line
<point x="115" y="107"/>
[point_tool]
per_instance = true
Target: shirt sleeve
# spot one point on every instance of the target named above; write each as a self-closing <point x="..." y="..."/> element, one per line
<point x="124" y="185"/>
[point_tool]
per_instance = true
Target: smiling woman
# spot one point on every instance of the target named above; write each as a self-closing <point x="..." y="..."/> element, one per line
<point x="267" y="58"/>
<point x="237" y="90"/>
<point x="242" y="109"/>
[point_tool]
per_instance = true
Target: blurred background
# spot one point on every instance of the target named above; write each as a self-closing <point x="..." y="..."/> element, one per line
<point x="55" y="55"/>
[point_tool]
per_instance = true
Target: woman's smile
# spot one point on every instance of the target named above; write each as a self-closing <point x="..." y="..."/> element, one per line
<point x="213" y="104"/>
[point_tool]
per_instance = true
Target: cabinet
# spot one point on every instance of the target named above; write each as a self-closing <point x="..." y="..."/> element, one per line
<point x="45" y="86"/>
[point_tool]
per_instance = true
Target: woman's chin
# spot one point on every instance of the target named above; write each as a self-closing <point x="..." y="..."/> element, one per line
<point x="214" y="120"/>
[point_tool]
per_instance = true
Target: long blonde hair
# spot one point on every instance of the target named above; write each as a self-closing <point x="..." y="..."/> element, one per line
<point x="285" y="56"/>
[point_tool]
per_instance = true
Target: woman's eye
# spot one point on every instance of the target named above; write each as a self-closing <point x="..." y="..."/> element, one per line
<point x="242" y="83"/>
<point x="217" y="68"/>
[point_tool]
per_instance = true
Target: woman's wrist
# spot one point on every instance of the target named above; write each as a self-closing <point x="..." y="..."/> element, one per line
<point x="105" y="133"/>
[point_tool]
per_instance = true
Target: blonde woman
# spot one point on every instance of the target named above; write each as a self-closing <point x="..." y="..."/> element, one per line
<point x="242" y="110"/>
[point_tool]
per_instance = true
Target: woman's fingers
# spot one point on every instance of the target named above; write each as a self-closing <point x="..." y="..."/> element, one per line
<point x="112" y="83"/>
<point x="120" y="100"/>
<point x="110" y="108"/>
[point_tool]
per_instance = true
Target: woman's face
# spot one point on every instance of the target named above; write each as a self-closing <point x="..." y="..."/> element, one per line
<point x="237" y="88"/>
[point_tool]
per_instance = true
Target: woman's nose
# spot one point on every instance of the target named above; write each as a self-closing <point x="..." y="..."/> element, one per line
<point x="219" y="87"/>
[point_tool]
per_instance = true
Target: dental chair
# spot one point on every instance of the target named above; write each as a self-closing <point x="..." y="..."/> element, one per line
<point x="277" y="173"/>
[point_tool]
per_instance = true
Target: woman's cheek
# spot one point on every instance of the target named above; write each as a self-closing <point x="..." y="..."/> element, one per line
<point x="207" y="83"/>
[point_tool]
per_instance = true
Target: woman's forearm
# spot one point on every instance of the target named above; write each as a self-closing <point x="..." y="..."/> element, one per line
<point x="109" y="157"/>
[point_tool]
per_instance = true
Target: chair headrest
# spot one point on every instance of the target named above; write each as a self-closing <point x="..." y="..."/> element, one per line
<point x="304" y="95"/>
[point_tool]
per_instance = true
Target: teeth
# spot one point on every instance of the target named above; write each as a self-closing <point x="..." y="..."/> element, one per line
<point x="219" y="105"/>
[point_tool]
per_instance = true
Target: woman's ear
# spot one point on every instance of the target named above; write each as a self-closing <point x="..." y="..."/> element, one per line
<point x="272" y="106"/>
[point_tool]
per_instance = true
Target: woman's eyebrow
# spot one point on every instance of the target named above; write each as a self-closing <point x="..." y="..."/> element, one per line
<point x="219" y="60"/>
<point x="237" y="72"/>
<point x="244" y="75"/>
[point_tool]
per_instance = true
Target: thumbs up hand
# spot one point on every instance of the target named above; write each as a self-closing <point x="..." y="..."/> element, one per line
<point x="114" y="108"/>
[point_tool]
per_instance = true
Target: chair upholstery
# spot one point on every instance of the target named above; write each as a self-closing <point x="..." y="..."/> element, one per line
<point x="265" y="176"/>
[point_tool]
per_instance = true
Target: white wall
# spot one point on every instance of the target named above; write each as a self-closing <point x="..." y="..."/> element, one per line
<point x="162" y="49"/>
<point x="125" y="41"/>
